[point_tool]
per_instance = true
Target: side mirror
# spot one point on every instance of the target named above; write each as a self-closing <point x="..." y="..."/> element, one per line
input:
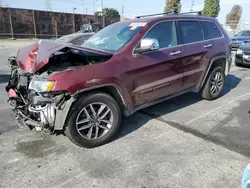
<point x="147" y="44"/>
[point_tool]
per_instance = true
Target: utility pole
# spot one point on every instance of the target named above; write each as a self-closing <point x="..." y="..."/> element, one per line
<point x="11" y="26"/>
<point x="192" y="6"/>
<point x="94" y="6"/>
<point x="74" y="27"/>
<point x="34" y="23"/>
<point x="82" y="6"/>
<point x="86" y="10"/>
<point x="103" y="15"/>
<point x="122" y="10"/>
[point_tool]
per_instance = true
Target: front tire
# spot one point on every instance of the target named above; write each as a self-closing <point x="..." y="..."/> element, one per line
<point x="214" y="84"/>
<point x="94" y="120"/>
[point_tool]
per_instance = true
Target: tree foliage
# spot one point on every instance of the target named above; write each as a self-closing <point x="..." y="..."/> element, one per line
<point x="172" y="5"/>
<point x="211" y="8"/>
<point x="109" y="12"/>
<point x="234" y="16"/>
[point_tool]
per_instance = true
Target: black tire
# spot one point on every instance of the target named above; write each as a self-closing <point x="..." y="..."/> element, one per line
<point x="237" y="64"/>
<point x="206" y="92"/>
<point x="71" y="128"/>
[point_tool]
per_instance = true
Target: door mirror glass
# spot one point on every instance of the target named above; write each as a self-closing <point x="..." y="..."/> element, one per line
<point x="147" y="44"/>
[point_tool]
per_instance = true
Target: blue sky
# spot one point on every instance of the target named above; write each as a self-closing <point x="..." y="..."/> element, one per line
<point x="132" y="8"/>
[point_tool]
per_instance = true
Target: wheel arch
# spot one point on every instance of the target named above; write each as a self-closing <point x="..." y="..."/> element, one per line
<point x="215" y="62"/>
<point x="111" y="89"/>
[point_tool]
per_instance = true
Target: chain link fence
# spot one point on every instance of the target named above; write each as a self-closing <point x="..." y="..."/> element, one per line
<point x="23" y="23"/>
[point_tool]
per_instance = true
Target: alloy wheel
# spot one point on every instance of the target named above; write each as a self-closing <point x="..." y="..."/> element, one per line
<point x="94" y="121"/>
<point x="216" y="84"/>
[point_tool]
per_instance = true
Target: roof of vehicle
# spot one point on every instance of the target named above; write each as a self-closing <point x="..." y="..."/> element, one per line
<point x="168" y="17"/>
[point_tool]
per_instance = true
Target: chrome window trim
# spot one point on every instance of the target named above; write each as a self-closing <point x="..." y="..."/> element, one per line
<point x="160" y="49"/>
<point x="176" y="20"/>
<point x="222" y="33"/>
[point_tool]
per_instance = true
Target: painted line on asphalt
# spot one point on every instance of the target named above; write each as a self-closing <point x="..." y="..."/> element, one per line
<point x="195" y="119"/>
<point x="70" y="179"/>
<point x="4" y="108"/>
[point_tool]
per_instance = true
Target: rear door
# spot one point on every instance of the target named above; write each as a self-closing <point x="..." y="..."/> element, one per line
<point x="158" y="73"/>
<point x="192" y="38"/>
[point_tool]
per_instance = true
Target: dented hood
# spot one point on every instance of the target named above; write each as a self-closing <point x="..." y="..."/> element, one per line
<point x="35" y="56"/>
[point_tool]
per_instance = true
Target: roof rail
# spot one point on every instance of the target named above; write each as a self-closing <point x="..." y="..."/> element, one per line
<point x="165" y="13"/>
<point x="175" y="12"/>
<point x="199" y="13"/>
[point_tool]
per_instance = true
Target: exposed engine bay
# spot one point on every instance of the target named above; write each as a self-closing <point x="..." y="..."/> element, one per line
<point x="38" y="109"/>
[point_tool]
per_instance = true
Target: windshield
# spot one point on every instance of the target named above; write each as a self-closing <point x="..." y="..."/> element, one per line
<point x="244" y="33"/>
<point x="114" y="37"/>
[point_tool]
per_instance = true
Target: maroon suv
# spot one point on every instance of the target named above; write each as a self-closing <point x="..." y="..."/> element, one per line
<point x="85" y="90"/>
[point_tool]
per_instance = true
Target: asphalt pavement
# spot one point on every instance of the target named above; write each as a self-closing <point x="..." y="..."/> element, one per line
<point x="183" y="142"/>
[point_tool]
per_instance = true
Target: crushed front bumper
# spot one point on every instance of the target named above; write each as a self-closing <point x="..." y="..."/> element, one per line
<point x="43" y="111"/>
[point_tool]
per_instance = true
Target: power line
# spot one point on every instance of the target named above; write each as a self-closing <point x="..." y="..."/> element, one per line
<point x="95" y="5"/>
<point x="75" y="2"/>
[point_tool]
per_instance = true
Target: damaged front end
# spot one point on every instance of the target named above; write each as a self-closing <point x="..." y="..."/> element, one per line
<point x="33" y="109"/>
<point x="32" y="96"/>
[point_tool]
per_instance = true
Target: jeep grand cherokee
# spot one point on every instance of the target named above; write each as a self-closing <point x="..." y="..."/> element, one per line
<point x="85" y="90"/>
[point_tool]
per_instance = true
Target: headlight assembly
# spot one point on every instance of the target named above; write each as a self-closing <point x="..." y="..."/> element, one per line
<point x="41" y="86"/>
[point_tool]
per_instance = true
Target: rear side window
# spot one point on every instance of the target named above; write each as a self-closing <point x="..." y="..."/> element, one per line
<point x="190" y="31"/>
<point x="211" y="30"/>
<point x="165" y="33"/>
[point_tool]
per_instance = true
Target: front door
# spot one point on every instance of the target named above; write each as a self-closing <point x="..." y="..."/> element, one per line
<point x="158" y="73"/>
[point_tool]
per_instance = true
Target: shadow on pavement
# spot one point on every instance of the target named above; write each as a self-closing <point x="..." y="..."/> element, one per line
<point x="231" y="82"/>
<point x="234" y="131"/>
<point x="173" y="105"/>
<point x="162" y="109"/>
<point x="4" y="78"/>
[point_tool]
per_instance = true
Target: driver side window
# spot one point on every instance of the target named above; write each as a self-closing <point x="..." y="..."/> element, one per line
<point x="165" y="33"/>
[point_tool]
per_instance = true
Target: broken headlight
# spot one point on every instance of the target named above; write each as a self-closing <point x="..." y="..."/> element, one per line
<point x="41" y="86"/>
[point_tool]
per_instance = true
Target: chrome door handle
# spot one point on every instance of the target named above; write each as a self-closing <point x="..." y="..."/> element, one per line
<point x="175" y="53"/>
<point x="208" y="46"/>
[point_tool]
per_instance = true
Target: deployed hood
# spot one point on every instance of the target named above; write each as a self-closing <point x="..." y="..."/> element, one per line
<point x="35" y="56"/>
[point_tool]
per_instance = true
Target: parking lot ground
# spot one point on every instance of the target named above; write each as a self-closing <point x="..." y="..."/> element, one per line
<point x="183" y="142"/>
<point x="224" y="121"/>
<point x="148" y="154"/>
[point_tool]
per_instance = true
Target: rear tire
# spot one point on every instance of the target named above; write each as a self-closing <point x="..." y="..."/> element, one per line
<point x="214" y="84"/>
<point x="94" y="120"/>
